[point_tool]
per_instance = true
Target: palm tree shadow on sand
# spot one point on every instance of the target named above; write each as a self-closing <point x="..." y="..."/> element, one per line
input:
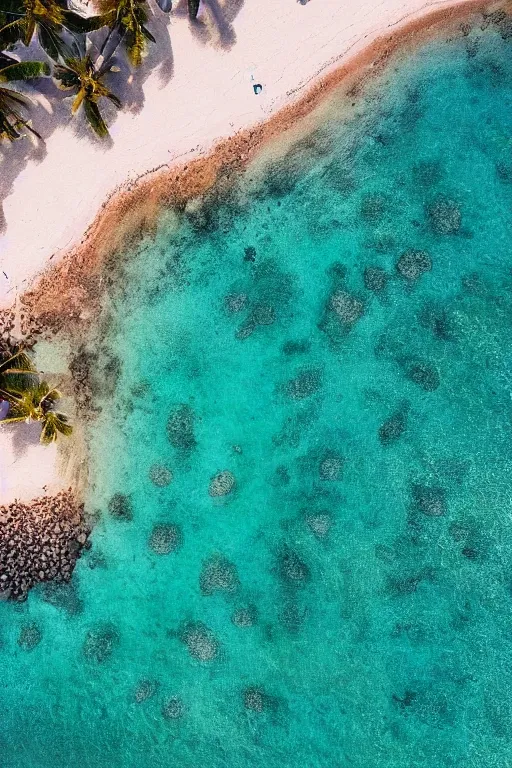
<point x="214" y="23"/>
<point x="51" y="107"/>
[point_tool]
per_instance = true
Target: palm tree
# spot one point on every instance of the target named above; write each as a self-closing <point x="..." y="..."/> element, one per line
<point x="193" y="8"/>
<point x="37" y="403"/>
<point x="81" y="75"/>
<point x="127" y="20"/>
<point x="13" y="368"/>
<point x="23" y="18"/>
<point x="12" y="121"/>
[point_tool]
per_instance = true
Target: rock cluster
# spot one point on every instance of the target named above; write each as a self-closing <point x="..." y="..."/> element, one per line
<point x="40" y="541"/>
<point x="10" y="338"/>
<point x="165" y="538"/>
<point x="222" y="483"/>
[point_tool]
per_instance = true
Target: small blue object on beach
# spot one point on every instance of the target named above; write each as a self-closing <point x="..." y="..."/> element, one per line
<point x="257" y="88"/>
<point x="4" y="409"/>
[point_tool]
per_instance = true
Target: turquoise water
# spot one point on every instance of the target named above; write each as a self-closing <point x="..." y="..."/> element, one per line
<point x="332" y="331"/>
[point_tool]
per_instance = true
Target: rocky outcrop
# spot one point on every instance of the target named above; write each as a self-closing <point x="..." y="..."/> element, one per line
<point x="40" y="542"/>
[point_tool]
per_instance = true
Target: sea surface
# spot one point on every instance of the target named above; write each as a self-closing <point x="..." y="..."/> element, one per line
<point x="301" y="464"/>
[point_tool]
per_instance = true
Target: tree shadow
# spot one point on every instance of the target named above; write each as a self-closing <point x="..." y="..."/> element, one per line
<point x="214" y="23"/>
<point x="51" y="107"/>
<point x="23" y="436"/>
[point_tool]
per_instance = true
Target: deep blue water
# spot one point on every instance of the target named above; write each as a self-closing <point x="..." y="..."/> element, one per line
<point x="331" y="332"/>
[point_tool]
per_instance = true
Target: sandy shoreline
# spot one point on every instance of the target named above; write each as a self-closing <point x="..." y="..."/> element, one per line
<point x="171" y="127"/>
<point x="349" y="44"/>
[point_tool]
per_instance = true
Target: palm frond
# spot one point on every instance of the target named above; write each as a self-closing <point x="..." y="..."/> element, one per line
<point x="53" y="424"/>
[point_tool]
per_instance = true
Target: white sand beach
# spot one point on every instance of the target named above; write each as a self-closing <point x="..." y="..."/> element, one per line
<point x="200" y="92"/>
<point x="27" y="470"/>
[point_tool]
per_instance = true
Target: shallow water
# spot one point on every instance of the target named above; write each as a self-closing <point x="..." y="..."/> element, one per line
<point x="349" y="601"/>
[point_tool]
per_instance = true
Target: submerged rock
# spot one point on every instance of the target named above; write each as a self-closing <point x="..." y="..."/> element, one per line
<point x="331" y="467"/>
<point x="100" y="643"/>
<point x="373" y="207"/>
<point x="160" y="475"/>
<point x="444" y="216"/>
<point x="200" y="641"/>
<point x="347" y="308"/>
<point x="254" y="698"/>
<point x="375" y="279"/>
<point x="145" y="690"/>
<point x="165" y="538"/>
<point x="305" y="384"/>
<point x="292" y="569"/>
<point x="394" y="427"/>
<point x="218" y="574"/>
<point x="180" y="428"/>
<point x="424" y="375"/>
<point x="173" y="708"/>
<point x="222" y="484"/>
<point x="235" y="302"/>
<point x="30" y="636"/>
<point x="319" y="523"/>
<point x="429" y="499"/>
<point x="120" y="507"/>
<point x="412" y="264"/>
<point x="245" y="617"/>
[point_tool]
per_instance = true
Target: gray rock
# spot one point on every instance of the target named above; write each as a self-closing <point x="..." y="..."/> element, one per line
<point x="165" y="538"/>
<point x="222" y="484"/>
<point x="413" y="263"/>
<point x="218" y="574"/>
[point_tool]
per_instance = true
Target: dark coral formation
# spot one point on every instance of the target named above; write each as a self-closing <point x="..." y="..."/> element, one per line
<point x="444" y="216"/>
<point x="373" y="207"/>
<point x="62" y="595"/>
<point x="319" y="523"/>
<point x="235" y="302"/>
<point x="165" y="538"/>
<point x="307" y="382"/>
<point x="394" y="426"/>
<point x="222" y="484"/>
<point x="201" y="643"/>
<point x="81" y="367"/>
<point x="145" y="690"/>
<point x="180" y="429"/>
<point x="423" y="375"/>
<point x="218" y="574"/>
<point x="429" y="499"/>
<point x="256" y="699"/>
<point x="160" y="475"/>
<point x="40" y="541"/>
<point x="437" y="320"/>
<point x="244" y="617"/>
<point x="347" y="308"/>
<point x="413" y="263"/>
<point x="292" y="570"/>
<point x="30" y="636"/>
<point x="173" y="708"/>
<point x="120" y="507"/>
<point x="100" y="642"/>
<point x="331" y="466"/>
<point x="375" y="279"/>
